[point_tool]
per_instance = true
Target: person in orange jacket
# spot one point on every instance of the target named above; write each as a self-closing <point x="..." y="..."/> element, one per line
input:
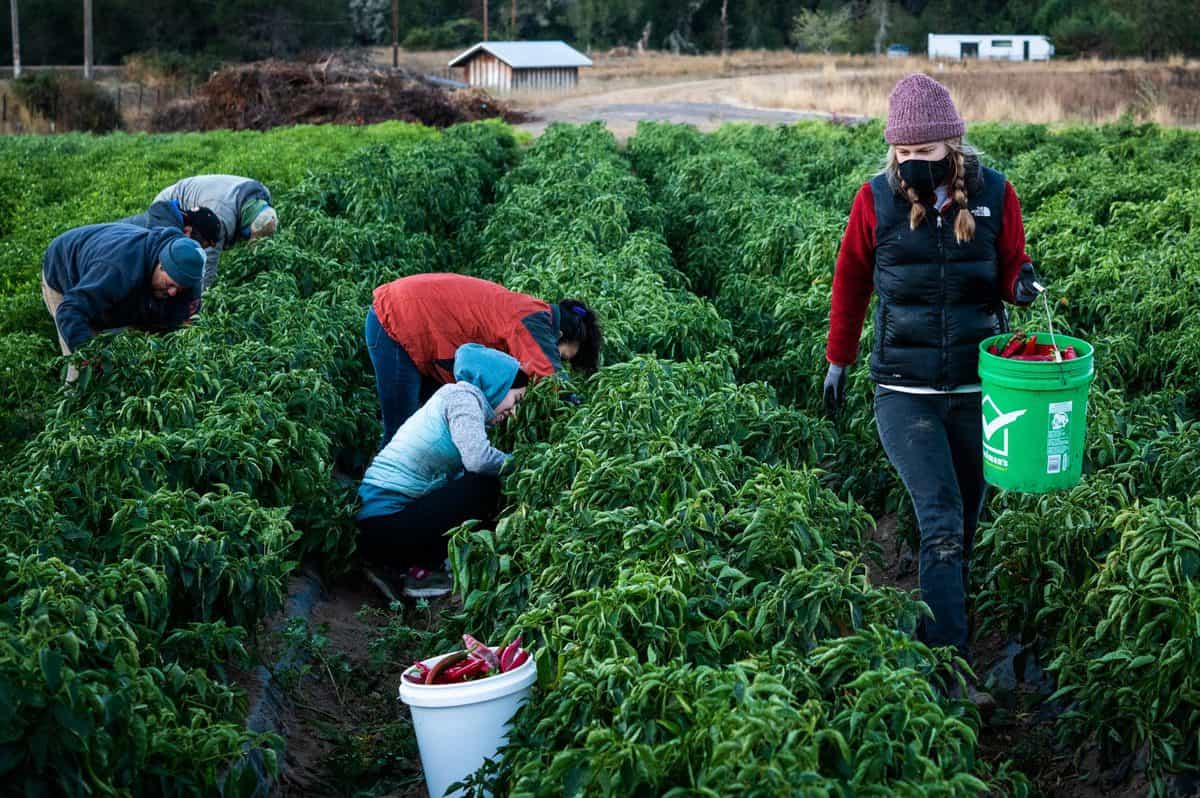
<point x="417" y="323"/>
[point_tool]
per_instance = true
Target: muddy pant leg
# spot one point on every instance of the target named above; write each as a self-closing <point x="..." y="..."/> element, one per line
<point x="913" y="431"/>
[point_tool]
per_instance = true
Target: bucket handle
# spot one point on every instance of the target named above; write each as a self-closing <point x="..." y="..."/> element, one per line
<point x="1041" y="289"/>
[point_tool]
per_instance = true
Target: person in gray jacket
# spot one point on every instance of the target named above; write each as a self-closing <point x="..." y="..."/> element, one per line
<point x="439" y="469"/>
<point x="242" y="205"/>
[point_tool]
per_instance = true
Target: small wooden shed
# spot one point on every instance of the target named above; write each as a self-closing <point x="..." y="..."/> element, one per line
<point x="512" y="66"/>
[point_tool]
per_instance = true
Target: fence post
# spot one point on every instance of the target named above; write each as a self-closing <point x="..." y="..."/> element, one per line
<point x="4" y="107"/>
<point x="140" y="87"/>
<point x="118" y="98"/>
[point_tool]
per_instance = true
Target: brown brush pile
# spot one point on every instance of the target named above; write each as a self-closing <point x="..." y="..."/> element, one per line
<point x="266" y="94"/>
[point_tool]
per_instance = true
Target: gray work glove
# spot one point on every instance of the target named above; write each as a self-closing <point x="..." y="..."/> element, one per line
<point x="835" y="390"/>
<point x="1027" y="288"/>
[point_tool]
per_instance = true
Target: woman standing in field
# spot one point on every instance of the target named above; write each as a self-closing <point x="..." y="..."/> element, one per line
<point x="940" y="238"/>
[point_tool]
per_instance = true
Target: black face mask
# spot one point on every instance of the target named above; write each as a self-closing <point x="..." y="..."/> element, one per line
<point x="925" y="176"/>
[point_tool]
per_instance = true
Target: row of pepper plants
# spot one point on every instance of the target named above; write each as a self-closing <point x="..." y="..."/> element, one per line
<point x="703" y="617"/>
<point x="1099" y="581"/>
<point x="150" y="518"/>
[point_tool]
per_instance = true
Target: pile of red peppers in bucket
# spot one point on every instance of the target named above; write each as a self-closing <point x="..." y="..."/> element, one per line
<point x="1021" y="348"/>
<point x="474" y="662"/>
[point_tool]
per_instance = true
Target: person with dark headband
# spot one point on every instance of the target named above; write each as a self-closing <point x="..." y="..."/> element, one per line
<point x="416" y="324"/>
<point x="439" y="470"/>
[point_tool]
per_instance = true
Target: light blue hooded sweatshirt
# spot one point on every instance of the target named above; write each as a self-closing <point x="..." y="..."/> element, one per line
<point x="423" y="455"/>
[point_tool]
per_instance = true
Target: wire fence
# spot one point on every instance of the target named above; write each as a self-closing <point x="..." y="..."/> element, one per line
<point x="135" y="101"/>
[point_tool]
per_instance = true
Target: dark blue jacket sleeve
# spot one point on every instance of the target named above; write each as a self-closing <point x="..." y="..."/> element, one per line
<point x="165" y="213"/>
<point x="101" y="287"/>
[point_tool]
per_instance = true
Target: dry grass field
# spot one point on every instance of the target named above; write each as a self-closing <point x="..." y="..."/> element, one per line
<point x="1091" y="90"/>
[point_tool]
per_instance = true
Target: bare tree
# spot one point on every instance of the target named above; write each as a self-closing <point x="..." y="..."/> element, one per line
<point x="881" y="8"/>
<point x="642" y="44"/>
<point x="724" y="28"/>
<point x="485" y="20"/>
<point x="822" y="31"/>
<point x="16" y="36"/>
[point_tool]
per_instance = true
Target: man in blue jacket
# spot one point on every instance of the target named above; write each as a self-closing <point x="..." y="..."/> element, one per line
<point x="109" y="276"/>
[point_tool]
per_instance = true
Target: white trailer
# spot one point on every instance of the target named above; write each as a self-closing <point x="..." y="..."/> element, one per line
<point x="1000" y="46"/>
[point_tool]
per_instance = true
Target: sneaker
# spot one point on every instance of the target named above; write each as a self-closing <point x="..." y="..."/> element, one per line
<point x="422" y="583"/>
<point x="984" y="701"/>
<point x="381" y="584"/>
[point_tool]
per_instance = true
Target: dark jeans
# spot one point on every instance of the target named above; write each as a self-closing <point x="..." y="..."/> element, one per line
<point x="417" y="534"/>
<point x="935" y="441"/>
<point x="400" y="386"/>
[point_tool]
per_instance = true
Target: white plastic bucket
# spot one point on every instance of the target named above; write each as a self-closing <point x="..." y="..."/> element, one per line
<point x="460" y="725"/>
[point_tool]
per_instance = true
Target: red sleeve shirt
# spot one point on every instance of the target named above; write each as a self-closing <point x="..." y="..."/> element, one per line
<point x="431" y="315"/>
<point x="854" y="272"/>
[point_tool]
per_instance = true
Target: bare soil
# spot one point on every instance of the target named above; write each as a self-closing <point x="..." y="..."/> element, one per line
<point x="345" y="731"/>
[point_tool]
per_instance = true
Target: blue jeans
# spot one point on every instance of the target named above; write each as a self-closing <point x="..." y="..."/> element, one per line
<point x="935" y="441"/>
<point x="400" y="386"/>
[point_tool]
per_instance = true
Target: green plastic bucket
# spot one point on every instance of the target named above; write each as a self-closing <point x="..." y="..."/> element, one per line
<point x="1034" y="417"/>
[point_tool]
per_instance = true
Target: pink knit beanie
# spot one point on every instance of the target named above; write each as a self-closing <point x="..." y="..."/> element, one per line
<point x="919" y="111"/>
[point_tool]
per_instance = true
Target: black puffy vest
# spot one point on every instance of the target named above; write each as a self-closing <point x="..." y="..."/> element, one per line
<point x="937" y="298"/>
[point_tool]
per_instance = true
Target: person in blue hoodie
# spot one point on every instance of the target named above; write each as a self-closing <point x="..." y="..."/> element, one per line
<point x="439" y="469"/>
<point x="109" y="276"/>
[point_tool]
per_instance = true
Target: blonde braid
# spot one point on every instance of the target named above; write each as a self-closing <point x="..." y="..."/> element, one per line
<point x="964" y="223"/>
<point x="916" y="214"/>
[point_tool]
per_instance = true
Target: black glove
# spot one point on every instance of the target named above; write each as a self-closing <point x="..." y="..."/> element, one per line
<point x="835" y="390"/>
<point x="572" y="399"/>
<point x="1026" y="290"/>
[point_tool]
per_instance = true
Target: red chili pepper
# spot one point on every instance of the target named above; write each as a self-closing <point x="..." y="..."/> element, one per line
<point x="418" y="676"/>
<point x="518" y="660"/>
<point x="1030" y="346"/>
<point x="1013" y="346"/>
<point x="1069" y="353"/>
<point x="506" y="656"/>
<point x="1035" y="358"/>
<point x="443" y="664"/>
<point x="480" y="651"/>
<point x="992" y="350"/>
<point x="465" y="671"/>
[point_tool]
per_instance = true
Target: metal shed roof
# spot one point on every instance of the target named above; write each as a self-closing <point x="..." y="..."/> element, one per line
<point x="525" y="55"/>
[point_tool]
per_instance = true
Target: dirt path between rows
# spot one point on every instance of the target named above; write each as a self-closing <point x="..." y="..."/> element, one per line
<point x="1021" y="730"/>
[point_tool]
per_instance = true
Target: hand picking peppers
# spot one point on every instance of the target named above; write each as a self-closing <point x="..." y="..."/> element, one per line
<point x="1021" y="348"/>
<point x="476" y="661"/>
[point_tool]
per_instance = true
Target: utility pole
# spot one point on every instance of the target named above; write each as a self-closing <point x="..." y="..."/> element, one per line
<point x="12" y="4"/>
<point x="87" y="39"/>
<point x="395" y="33"/>
<point x="485" y="20"/>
